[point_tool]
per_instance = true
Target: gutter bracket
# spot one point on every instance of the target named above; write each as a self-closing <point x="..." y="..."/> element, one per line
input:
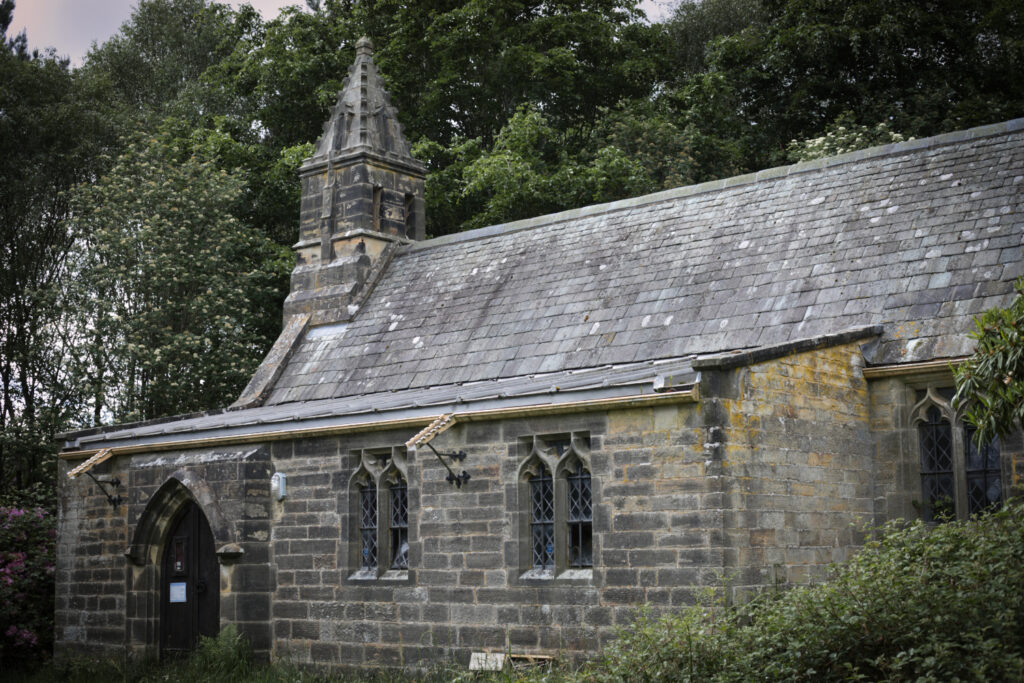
<point x="424" y="437"/>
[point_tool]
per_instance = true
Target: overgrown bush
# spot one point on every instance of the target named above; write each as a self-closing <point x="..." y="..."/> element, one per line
<point x="26" y="584"/>
<point x="919" y="603"/>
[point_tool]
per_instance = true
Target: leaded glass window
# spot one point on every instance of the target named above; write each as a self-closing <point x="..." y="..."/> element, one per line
<point x="581" y="518"/>
<point x="542" y="516"/>
<point x="935" y="435"/>
<point x="399" y="525"/>
<point x="959" y="478"/>
<point x="368" y="526"/>
<point x="984" y="482"/>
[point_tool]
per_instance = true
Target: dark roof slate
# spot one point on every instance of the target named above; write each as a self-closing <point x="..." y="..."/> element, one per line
<point x="630" y="379"/>
<point x="917" y="237"/>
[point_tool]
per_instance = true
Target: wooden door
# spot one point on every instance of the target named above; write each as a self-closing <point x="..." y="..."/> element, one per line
<point x="190" y="584"/>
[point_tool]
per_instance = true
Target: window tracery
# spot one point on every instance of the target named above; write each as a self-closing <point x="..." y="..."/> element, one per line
<point x="959" y="478"/>
<point x="379" y="491"/>
<point x="557" y="509"/>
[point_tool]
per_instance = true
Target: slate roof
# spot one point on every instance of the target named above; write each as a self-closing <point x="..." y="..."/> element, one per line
<point x="908" y="242"/>
<point x="630" y="379"/>
<point x="917" y="237"/>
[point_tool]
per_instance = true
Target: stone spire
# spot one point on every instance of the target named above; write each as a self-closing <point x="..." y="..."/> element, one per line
<point x="362" y="196"/>
<point x="363" y="120"/>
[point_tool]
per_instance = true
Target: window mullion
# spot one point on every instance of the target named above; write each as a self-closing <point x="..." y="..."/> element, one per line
<point x="383" y="550"/>
<point x="959" y="473"/>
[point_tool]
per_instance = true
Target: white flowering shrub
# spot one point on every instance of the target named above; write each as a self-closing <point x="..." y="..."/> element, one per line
<point x="841" y="136"/>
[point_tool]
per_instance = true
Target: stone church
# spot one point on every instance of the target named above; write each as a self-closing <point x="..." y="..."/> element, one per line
<point x="507" y="440"/>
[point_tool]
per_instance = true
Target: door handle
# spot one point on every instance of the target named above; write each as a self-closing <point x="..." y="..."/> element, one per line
<point x="201" y="586"/>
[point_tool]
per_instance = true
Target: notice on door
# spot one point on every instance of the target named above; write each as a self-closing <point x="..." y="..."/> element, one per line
<point x="178" y="592"/>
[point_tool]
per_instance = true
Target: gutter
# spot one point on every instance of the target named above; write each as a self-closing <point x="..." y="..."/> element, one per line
<point x="921" y="367"/>
<point x="689" y="394"/>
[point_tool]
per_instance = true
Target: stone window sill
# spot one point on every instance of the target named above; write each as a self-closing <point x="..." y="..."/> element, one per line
<point x="364" y="575"/>
<point x="577" y="575"/>
<point x="548" y="575"/>
<point x="538" y="575"/>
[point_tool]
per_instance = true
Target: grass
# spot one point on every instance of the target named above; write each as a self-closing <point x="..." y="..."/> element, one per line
<point x="224" y="659"/>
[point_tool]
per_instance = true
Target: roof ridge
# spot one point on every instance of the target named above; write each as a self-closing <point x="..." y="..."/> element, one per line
<point x="773" y="173"/>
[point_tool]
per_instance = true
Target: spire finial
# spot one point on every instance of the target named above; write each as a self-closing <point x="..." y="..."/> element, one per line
<point x="364" y="46"/>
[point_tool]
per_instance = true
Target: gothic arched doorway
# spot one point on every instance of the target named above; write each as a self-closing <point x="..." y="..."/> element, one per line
<point x="189" y="583"/>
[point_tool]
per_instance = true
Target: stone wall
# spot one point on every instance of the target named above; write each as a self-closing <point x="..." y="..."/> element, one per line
<point x="91" y="567"/>
<point x="657" y="538"/>
<point x="793" y="442"/>
<point x="108" y="561"/>
<point x="764" y="480"/>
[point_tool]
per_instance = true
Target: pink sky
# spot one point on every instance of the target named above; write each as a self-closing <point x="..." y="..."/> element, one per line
<point x="71" y="26"/>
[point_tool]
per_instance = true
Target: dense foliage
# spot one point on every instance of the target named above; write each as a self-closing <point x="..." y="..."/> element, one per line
<point x="990" y="385"/>
<point x="922" y="67"/>
<point x="46" y="147"/>
<point x="918" y="603"/>
<point x="170" y="285"/>
<point x="26" y="584"/>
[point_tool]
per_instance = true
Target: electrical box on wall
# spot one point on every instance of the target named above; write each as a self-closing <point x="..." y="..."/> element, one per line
<point x="278" y="486"/>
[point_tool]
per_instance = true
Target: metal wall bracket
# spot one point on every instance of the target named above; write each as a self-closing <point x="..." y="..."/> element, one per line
<point x="439" y="425"/>
<point x="114" y="501"/>
<point x="452" y="478"/>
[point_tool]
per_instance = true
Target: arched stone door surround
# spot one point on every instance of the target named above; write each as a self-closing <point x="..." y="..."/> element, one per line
<point x="146" y="555"/>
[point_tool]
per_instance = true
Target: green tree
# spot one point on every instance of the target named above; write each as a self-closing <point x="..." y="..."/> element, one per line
<point x="990" y="384"/>
<point x="267" y="100"/>
<point x="48" y="141"/>
<point x="168" y="69"/>
<point x="165" y="46"/>
<point x="171" y="284"/>
<point x="169" y="59"/>
<point x="528" y="171"/>
<point x="695" y="24"/>
<point x="473" y="64"/>
<point x="456" y="71"/>
<point x="924" y="68"/>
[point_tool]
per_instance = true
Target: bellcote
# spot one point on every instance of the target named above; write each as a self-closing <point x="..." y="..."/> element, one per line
<point x="361" y="175"/>
<point x="362" y="196"/>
